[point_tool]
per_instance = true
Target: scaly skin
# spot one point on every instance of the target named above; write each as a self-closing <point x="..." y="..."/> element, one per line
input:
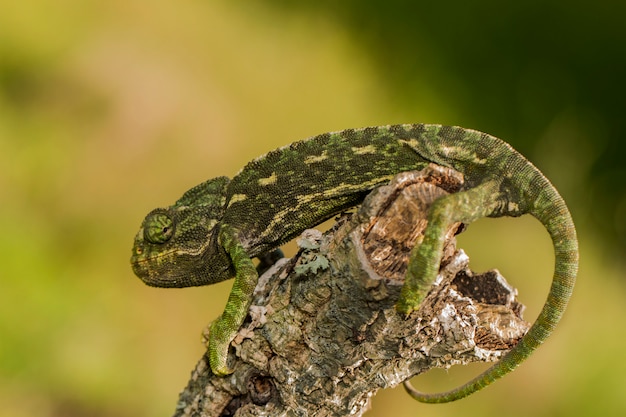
<point x="214" y="230"/>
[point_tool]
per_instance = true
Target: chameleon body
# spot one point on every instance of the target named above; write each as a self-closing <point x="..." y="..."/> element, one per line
<point x="211" y="233"/>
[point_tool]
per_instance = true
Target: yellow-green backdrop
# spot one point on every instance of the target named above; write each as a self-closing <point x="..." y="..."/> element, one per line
<point x="111" y="108"/>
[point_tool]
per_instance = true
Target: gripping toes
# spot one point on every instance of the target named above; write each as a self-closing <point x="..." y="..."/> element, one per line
<point x="219" y="342"/>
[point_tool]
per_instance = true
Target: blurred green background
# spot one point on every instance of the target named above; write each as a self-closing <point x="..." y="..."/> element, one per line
<point x="109" y="109"/>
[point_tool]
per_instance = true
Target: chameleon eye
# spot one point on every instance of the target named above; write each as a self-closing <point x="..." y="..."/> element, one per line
<point x="159" y="228"/>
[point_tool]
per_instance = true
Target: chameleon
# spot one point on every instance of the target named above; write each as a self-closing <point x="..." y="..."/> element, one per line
<point x="215" y="229"/>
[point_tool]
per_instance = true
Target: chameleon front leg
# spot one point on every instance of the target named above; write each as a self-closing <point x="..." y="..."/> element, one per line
<point x="465" y="206"/>
<point x="224" y="329"/>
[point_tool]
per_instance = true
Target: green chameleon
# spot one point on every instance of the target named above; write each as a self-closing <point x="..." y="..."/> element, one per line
<point x="211" y="233"/>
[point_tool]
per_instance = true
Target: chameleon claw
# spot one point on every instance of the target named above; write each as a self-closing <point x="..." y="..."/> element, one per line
<point x="218" y="369"/>
<point x="406" y="307"/>
<point x="411" y="299"/>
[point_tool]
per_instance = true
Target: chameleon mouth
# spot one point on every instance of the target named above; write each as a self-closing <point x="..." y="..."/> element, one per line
<point x="143" y="264"/>
<point x="145" y="271"/>
<point x="140" y="267"/>
<point x="161" y="269"/>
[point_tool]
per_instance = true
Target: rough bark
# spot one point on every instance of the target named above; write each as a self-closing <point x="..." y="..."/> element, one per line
<point x="323" y="336"/>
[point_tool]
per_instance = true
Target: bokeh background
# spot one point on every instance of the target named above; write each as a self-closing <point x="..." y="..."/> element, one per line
<point x="111" y="108"/>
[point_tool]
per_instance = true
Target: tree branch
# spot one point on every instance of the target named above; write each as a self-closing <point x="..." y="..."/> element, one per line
<point x="322" y="334"/>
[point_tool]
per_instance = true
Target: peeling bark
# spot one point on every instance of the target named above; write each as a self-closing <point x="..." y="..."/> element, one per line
<point x="323" y="336"/>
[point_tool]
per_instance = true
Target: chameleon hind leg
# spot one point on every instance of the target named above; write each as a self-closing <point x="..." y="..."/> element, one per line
<point x="465" y="206"/>
<point x="484" y="200"/>
<point x="224" y="329"/>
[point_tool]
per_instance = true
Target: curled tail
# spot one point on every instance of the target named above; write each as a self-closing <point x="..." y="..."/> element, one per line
<point x="550" y="209"/>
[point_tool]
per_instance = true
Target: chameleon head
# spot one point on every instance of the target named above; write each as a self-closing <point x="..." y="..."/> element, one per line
<point x="177" y="246"/>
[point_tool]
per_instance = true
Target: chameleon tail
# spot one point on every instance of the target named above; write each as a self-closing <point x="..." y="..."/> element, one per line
<point x="550" y="209"/>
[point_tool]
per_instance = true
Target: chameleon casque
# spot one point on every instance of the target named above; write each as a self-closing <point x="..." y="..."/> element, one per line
<point x="211" y="233"/>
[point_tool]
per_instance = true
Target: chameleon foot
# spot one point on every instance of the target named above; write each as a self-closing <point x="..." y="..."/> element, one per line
<point x="218" y="349"/>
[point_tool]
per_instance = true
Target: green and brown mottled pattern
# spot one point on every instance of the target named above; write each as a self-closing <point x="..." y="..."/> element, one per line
<point x="211" y="233"/>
